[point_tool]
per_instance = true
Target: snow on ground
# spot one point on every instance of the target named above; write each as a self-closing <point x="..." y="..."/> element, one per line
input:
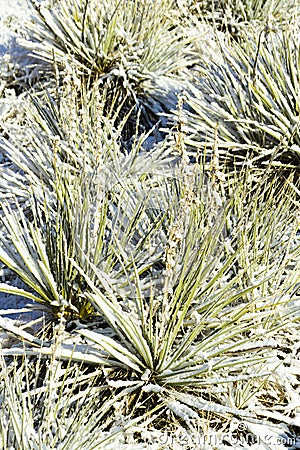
<point x="12" y="14"/>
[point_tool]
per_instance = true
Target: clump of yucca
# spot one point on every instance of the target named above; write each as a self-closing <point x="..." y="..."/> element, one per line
<point x="234" y="15"/>
<point x="215" y="311"/>
<point x="248" y="105"/>
<point x="132" y="46"/>
<point x="81" y="196"/>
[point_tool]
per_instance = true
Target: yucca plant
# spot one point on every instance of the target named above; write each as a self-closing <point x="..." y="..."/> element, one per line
<point x="167" y="349"/>
<point x="129" y="45"/>
<point x="112" y="234"/>
<point x="235" y="16"/>
<point x="248" y="106"/>
<point x="197" y="329"/>
<point x="82" y="194"/>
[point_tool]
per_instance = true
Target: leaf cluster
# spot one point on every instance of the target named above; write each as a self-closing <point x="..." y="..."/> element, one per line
<point x="248" y="105"/>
